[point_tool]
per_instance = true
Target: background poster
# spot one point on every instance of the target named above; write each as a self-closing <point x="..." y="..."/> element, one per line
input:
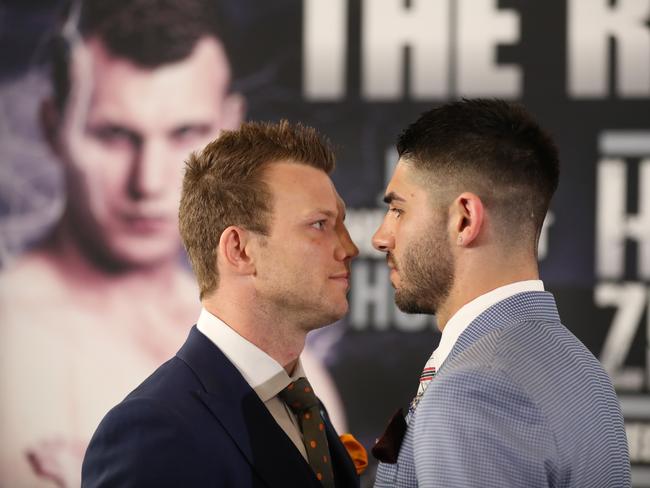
<point x="360" y="71"/>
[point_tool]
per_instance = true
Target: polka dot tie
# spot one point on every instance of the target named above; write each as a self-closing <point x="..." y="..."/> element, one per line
<point x="303" y="402"/>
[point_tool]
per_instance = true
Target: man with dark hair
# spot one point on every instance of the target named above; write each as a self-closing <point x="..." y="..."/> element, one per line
<point x="510" y="397"/>
<point x="93" y="309"/>
<point x="263" y="227"/>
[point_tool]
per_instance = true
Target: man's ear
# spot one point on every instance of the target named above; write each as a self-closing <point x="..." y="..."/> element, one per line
<point x="468" y="215"/>
<point x="50" y="121"/>
<point x="234" y="111"/>
<point x="234" y="250"/>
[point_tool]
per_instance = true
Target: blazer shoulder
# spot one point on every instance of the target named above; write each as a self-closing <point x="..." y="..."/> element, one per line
<point x="141" y="442"/>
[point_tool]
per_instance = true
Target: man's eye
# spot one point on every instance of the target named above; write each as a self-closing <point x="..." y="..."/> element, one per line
<point x="320" y="225"/>
<point x="113" y="135"/>
<point x="190" y="132"/>
<point x="396" y="211"/>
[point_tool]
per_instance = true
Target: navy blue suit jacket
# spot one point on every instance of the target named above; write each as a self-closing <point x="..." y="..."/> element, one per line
<point x="196" y="422"/>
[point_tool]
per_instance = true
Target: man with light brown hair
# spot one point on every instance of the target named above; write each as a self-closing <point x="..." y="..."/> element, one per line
<point x="136" y="86"/>
<point x="81" y="316"/>
<point x="263" y="226"/>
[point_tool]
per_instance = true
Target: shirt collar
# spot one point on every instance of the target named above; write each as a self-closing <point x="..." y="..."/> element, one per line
<point x="263" y="373"/>
<point x="468" y="312"/>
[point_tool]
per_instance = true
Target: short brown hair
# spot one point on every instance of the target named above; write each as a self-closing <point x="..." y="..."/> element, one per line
<point x="149" y="33"/>
<point x="223" y="186"/>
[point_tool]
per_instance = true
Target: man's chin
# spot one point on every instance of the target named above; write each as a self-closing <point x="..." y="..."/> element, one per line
<point x="132" y="256"/>
<point x="409" y="303"/>
<point x="328" y="317"/>
<point x="336" y="315"/>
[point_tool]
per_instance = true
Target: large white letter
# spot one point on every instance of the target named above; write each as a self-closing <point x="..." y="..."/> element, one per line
<point x="480" y="30"/>
<point x="367" y="294"/>
<point x="387" y="28"/>
<point x="324" y="47"/>
<point x="614" y="225"/>
<point x="630" y="299"/>
<point x="591" y="23"/>
<point x="362" y="223"/>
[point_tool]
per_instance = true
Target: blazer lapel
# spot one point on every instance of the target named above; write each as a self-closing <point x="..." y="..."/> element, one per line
<point x="243" y="415"/>
<point x="345" y="473"/>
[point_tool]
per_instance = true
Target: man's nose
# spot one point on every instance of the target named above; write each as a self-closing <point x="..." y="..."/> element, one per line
<point x="383" y="240"/>
<point x="150" y="169"/>
<point x="347" y="248"/>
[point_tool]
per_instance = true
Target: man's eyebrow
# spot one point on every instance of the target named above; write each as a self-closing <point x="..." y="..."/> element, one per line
<point x="106" y="128"/>
<point x="329" y="213"/>
<point x="110" y="125"/>
<point x="391" y="197"/>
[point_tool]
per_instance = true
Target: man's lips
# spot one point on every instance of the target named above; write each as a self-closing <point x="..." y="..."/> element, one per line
<point x="147" y="224"/>
<point x="343" y="278"/>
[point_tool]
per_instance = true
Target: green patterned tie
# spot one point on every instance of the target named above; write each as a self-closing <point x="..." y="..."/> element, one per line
<point x="303" y="402"/>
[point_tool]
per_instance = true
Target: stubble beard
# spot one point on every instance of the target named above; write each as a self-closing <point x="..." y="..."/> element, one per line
<point x="427" y="275"/>
<point x="309" y="311"/>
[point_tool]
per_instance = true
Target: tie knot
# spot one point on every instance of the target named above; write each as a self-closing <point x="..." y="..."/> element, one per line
<point x="299" y="396"/>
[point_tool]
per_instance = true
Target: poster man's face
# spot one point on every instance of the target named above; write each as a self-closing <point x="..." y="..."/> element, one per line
<point x="125" y="134"/>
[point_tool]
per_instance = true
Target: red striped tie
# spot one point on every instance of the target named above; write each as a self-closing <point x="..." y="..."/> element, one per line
<point x="427" y="375"/>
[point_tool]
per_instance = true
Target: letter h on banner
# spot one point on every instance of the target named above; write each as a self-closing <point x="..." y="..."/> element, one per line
<point x="613" y="223"/>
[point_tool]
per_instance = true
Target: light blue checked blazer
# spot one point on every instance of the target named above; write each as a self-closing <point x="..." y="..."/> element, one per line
<point x="519" y="402"/>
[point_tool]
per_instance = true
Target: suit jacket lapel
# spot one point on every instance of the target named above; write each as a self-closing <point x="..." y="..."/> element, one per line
<point x="345" y="473"/>
<point x="243" y="415"/>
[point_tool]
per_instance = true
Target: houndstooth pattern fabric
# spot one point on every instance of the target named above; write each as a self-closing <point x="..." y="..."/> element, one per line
<point x="519" y="402"/>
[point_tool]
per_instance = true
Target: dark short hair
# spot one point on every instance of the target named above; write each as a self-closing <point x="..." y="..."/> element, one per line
<point x="149" y="33"/>
<point x="490" y="146"/>
<point x="223" y="186"/>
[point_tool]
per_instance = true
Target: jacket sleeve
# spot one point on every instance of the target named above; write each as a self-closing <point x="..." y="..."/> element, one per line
<point x="476" y="428"/>
<point x="140" y="443"/>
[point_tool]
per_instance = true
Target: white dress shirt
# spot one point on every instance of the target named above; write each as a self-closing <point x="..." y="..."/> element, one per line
<point x="263" y="373"/>
<point x="468" y="312"/>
